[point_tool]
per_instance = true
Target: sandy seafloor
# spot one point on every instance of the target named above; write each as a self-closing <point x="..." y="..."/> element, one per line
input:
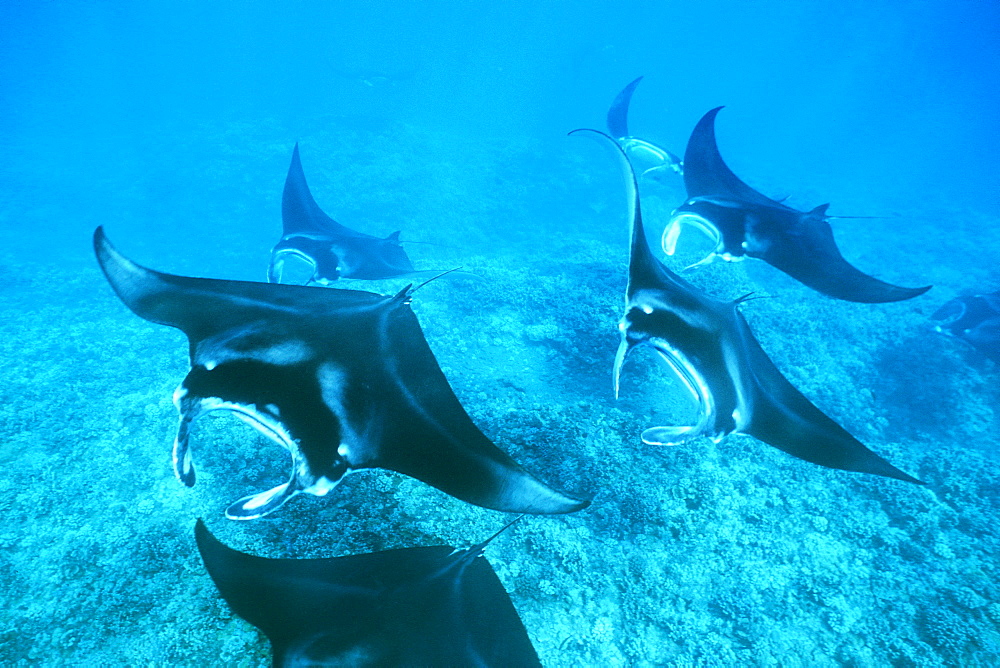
<point x="706" y="554"/>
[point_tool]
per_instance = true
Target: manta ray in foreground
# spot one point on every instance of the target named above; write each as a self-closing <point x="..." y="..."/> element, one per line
<point x="651" y="160"/>
<point x="331" y="249"/>
<point x="744" y="222"/>
<point x="709" y="345"/>
<point x="418" y="606"/>
<point x="343" y="379"/>
<point x="974" y="319"/>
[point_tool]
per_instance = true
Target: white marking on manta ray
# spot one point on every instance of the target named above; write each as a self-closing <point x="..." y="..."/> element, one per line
<point x="244" y="343"/>
<point x="323" y="485"/>
<point x="332" y="380"/>
<point x="179" y="394"/>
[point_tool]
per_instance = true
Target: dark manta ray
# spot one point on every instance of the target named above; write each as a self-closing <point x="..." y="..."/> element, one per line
<point x="343" y="379"/>
<point x="975" y="320"/>
<point x="418" y="606"/>
<point x="332" y="249"/>
<point x="744" y="222"/>
<point x="647" y="157"/>
<point x="711" y="348"/>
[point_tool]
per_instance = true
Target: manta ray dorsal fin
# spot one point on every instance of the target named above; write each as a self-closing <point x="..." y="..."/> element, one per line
<point x="394" y="237"/>
<point x="819" y="211"/>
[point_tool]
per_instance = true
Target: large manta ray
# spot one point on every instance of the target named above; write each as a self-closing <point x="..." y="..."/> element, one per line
<point x="974" y="319"/>
<point x="709" y="345"/>
<point x="331" y="249"/>
<point x="343" y="379"/>
<point x="651" y="160"/>
<point x="417" y="606"/>
<point x="744" y="222"/>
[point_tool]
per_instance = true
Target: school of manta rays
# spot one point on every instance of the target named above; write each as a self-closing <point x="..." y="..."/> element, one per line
<point x="345" y="380"/>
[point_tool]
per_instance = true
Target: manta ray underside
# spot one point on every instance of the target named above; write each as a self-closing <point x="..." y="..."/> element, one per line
<point x="709" y="345"/>
<point x="649" y="159"/>
<point x="974" y="319"/>
<point x="343" y="379"/>
<point x="332" y="250"/>
<point x="743" y="222"/>
<point x="418" y="606"/>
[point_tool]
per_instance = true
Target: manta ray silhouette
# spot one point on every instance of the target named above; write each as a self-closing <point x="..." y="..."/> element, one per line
<point x="648" y="158"/>
<point x="343" y="379"/>
<point x="744" y="222"/>
<point x="974" y="319"/>
<point x="709" y="345"/>
<point x="418" y="606"/>
<point x="331" y="249"/>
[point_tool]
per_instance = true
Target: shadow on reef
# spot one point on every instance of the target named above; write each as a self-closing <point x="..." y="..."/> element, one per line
<point x="928" y="390"/>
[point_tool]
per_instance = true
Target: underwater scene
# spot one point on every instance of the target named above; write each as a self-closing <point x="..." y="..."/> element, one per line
<point x="508" y="334"/>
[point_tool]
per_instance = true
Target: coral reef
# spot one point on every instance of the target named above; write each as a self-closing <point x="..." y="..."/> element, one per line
<point x="706" y="554"/>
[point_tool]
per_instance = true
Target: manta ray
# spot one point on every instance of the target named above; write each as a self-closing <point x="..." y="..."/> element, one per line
<point x="710" y="347"/>
<point x="343" y="379"/>
<point x="745" y="223"/>
<point x="973" y="319"/>
<point x="331" y="249"/>
<point x="417" y="606"/>
<point x="651" y="160"/>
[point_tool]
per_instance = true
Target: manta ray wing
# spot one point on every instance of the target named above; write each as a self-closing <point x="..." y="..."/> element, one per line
<point x="651" y="160"/>
<point x="802" y="246"/>
<point x="711" y="348"/>
<point x="421" y="606"/>
<point x="333" y="250"/>
<point x="707" y="174"/>
<point x="618" y="111"/>
<point x="745" y="222"/>
<point x="343" y="379"/>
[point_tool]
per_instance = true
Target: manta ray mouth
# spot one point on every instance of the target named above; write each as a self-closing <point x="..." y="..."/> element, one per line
<point x="276" y="271"/>
<point x="649" y="156"/>
<point x="700" y="392"/>
<point x="269" y="426"/>
<point x="672" y="232"/>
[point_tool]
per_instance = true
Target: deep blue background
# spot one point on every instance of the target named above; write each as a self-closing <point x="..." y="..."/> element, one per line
<point x="882" y="103"/>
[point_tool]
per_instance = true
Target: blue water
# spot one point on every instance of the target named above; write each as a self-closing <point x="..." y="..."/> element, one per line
<point x="172" y="123"/>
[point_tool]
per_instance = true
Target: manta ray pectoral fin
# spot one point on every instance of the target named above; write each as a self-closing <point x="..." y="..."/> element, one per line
<point x="671" y="435"/>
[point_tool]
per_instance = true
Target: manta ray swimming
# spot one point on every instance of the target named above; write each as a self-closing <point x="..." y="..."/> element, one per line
<point x="974" y="319"/>
<point x="343" y="379"/>
<point x="417" y="606"/>
<point x="710" y="347"/>
<point x="332" y="250"/>
<point x="650" y="160"/>
<point x="743" y="222"/>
